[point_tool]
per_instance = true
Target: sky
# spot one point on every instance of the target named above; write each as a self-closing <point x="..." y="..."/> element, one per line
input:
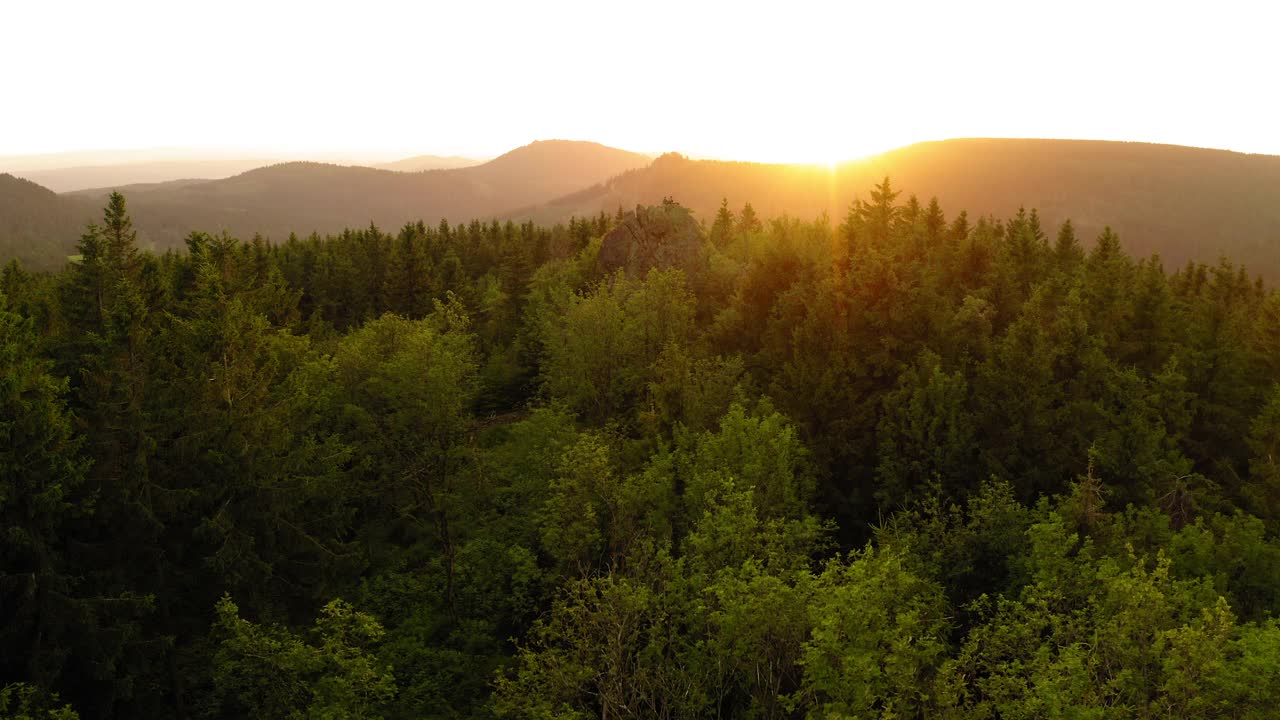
<point x="787" y="81"/>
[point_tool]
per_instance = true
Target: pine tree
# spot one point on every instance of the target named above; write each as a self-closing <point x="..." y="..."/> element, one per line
<point x="408" y="290"/>
<point x="42" y="500"/>
<point x="108" y="355"/>
<point x="747" y="220"/>
<point x="722" y="228"/>
<point x="879" y="214"/>
<point x="935" y="222"/>
<point x="1067" y="253"/>
<point x="959" y="229"/>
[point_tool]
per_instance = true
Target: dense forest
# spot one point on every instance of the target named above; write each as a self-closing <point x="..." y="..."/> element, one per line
<point x="898" y="463"/>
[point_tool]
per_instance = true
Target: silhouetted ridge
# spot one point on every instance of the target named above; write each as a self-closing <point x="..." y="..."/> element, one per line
<point x="303" y="197"/>
<point x="1183" y="203"/>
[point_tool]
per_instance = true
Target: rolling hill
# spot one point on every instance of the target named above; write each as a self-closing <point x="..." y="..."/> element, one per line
<point x="303" y="196"/>
<point x="38" y="227"/>
<point x="71" y="179"/>
<point x="418" y="163"/>
<point x="1185" y="203"/>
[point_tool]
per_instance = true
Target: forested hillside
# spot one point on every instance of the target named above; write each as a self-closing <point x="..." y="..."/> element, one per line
<point x="37" y="226"/>
<point x="914" y="463"/>
<point x="41" y="228"/>
<point x="302" y="197"/>
<point x="1183" y="203"/>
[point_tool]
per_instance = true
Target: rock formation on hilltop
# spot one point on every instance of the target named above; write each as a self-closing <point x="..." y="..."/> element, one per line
<point x="662" y="236"/>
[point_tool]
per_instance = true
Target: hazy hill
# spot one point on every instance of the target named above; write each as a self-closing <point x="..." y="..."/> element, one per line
<point x="1185" y="203"/>
<point x="68" y="179"/>
<point x="303" y="197"/>
<point x="85" y="169"/>
<point x="419" y="163"/>
<point x="37" y="226"/>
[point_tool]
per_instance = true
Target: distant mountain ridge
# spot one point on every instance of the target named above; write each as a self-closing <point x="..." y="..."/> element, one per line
<point x="38" y="227"/>
<point x="81" y="170"/>
<point x="303" y="197"/>
<point x="419" y="163"/>
<point x="1184" y="203"/>
<point x="71" y="179"/>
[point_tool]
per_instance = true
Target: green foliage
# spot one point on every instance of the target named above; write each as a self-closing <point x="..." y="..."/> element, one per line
<point x="927" y="433"/>
<point x="758" y="452"/>
<point x="1263" y="491"/>
<point x="600" y="347"/>
<point x="268" y="672"/>
<point x="692" y="391"/>
<point x="891" y="467"/>
<point x="23" y="702"/>
<point x="41" y="497"/>
<point x="878" y="638"/>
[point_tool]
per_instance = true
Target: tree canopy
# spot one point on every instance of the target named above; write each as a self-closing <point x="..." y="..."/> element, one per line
<point x="899" y="464"/>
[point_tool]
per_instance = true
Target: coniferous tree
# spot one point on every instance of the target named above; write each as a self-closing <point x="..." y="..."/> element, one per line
<point x="1044" y="478"/>
<point x="722" y="228"/>
<point x="42" y="499"/>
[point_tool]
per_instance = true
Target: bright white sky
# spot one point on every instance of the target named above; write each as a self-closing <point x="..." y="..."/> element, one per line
<point x="773" y="81"/>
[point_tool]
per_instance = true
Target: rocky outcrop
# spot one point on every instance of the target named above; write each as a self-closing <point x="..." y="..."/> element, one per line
<point x="661" y="236"/>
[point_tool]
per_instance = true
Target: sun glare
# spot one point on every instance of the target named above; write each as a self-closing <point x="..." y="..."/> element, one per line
<point x="819" y="150"/>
